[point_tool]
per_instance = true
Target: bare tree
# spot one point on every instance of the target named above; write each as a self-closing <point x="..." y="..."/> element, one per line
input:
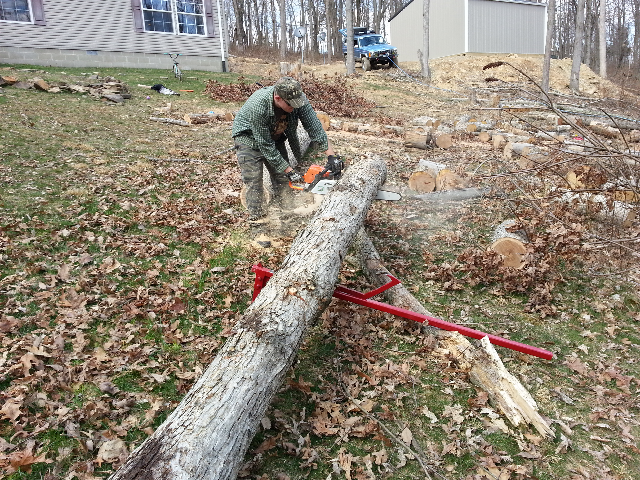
<point x="636" y="33"/>
<point x="574" y="81"/>
<point x="546" y="66"/>
<point x="602" y="38"/>
<point x="283" y="30"/>
<point x="349" y="58"/>
<point x="426" y="72"/>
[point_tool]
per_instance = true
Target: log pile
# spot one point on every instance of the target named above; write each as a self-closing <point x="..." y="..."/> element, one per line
<point x="433" y="176"/>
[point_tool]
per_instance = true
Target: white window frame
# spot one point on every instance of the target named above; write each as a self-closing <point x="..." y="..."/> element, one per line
<point x="30" y="21"/>
<point x="174" y="19"/>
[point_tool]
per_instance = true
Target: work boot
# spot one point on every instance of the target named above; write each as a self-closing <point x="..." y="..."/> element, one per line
<point x="259" y="230"/>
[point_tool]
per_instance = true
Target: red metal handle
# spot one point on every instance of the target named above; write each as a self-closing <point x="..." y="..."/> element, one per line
<point x="364" y="299"/>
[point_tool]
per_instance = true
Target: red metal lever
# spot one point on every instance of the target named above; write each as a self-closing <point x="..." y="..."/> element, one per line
<point x="353" y="296"/>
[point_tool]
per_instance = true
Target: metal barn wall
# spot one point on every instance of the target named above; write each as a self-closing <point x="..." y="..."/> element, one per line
<point x="506" y="27"/>
<point x="446" y="32"/>
<point x="101" y="33"/>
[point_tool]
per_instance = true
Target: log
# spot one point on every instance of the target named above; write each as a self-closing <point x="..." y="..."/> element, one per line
<point x="325" y="120"/>
<point x="266" y="193"/>
<point x="173" y="121"/>
<point x="424" y="179"/>
<point x="202" y="118"/>
<point x="526" y="155"/>
<point x="440" y="139"/>
<point x="484" y="137"/>
<point x="448" y="180"/>
<point x="207" y="435"/>
<point x="452" y="195"/>
<point x="485" y="369"/>
<point x="510" y="245"/>
<point x="498" y="141"/>
<point x="604" y="207"/>
<point x="434" y="176"/>
<point x="422" y="182"/>
<point x="432" y="138"/>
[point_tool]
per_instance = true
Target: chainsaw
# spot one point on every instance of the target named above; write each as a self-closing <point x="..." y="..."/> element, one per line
<point x="321" y="180"/>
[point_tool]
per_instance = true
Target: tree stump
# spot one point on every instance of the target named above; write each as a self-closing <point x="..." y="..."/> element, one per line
<point x="510" y="245"/>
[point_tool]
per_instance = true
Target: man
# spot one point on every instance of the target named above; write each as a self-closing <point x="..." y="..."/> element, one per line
<point x="268" y="118"/>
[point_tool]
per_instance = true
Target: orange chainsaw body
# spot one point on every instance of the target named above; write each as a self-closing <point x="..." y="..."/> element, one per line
<point x="313" y="170"/>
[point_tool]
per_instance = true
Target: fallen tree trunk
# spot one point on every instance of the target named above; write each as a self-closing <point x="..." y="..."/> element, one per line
<point x="207" y="435"/>
<point x="485" y="369"/>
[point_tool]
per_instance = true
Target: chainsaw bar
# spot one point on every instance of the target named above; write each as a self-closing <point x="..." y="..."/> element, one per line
<point x="324" y="186"/>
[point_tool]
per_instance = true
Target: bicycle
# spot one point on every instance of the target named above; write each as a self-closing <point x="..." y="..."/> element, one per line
<point x="176" y="69"/>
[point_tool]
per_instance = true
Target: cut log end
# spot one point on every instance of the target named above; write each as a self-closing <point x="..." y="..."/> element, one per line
<point x="448" y="180"/>
<point x="422" y="182"/>
<point x="512" y="251"/>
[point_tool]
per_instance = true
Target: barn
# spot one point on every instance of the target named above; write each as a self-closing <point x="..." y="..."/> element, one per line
<point x="114" y="33"/>
<point x="470" y="26"/>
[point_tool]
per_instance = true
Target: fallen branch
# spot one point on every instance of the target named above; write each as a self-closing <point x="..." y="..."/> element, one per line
<point x="170" y="120"/>
<point x="505" y="391"/>
<point x="391" y="435"/>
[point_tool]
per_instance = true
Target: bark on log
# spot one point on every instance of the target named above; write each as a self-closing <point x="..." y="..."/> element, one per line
<point x="485" y="369"/>
<point x="206" y="436"/>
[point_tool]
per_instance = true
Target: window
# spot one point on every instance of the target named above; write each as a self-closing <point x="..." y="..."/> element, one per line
<point x="22" y="11"/>
<point x="174" y="16"/>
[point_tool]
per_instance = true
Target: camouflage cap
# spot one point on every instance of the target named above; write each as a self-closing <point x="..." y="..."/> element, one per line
<point x="290" y="91"/>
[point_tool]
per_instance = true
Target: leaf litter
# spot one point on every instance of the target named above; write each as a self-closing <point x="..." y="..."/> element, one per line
<point x="114" y="301"/>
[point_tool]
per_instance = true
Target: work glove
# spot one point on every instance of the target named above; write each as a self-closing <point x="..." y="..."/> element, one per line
<point x="335" y="165"/>
<point x="295" y="177"/>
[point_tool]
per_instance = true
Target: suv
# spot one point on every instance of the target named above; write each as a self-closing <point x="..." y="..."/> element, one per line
<point x="369" y="48"/>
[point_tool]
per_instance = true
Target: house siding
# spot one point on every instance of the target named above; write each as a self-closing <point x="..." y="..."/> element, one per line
<point x="101" y="33"/>
<point x="470" y="26"/>
<point x="506" y="27"/>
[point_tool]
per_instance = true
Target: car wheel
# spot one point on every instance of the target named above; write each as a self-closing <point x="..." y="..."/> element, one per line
<point x="366" y="64"/>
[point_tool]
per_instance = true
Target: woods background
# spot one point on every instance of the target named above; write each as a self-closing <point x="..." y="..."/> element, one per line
<point x="256" y="28"/>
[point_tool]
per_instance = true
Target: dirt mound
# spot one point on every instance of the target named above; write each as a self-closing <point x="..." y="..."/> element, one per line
<point x="457" y="73"/>
<point x="467" y="71"/>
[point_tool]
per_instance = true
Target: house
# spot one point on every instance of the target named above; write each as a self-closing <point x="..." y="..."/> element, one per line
<point x="470" y="26"/>
<point x="114" y="33"/>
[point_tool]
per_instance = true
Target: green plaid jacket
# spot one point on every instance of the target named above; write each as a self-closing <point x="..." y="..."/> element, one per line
<point x="256" y="119"/>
